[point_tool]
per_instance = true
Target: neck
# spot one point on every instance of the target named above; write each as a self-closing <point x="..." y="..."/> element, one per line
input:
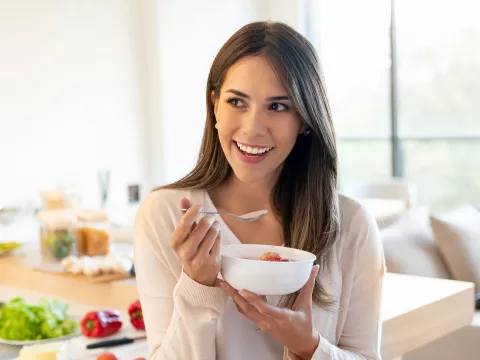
<point x="240" y="197"/>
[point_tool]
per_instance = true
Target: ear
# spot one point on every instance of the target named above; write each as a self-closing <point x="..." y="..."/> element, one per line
<point x="303" y="128"/>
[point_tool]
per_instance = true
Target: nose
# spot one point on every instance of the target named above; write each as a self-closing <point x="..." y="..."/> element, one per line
<point x="254" y="123"/>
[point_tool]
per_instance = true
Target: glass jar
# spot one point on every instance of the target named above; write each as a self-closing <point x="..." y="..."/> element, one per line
<point x="57" y="199"/>
<point x="93" y="232"/>
<point x="57" y="235"/>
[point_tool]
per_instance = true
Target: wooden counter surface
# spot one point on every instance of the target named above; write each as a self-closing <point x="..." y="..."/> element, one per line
<point x="415" y="310"/>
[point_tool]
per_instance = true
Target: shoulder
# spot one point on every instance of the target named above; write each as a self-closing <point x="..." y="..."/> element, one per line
<point x="359" y="235"/>
<point x="157" y="217"/>
<point x="163" y="205"/>
<point x="159" y="214"/>
<point x="354" y="216"/>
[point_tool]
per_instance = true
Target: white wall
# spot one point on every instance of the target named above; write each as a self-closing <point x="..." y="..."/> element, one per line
<point x="70" y="97"/>
<point x="88" y="84"/>
<point x="191" y="34"/>
<point x="292" y="12"/>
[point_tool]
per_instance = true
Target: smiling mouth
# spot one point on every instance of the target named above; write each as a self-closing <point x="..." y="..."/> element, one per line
<point x="253" y="151"/>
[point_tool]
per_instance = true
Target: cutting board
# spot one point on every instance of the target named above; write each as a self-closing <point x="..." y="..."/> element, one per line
<point x="57" y="270"/>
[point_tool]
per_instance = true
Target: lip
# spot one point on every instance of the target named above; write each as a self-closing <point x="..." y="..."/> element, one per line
<point x="248" y="159"/>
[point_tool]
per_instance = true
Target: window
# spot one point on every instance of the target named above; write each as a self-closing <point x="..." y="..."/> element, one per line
<point x="405" y="99"/>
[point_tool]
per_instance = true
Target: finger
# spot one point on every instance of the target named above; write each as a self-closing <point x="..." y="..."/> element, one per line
<point x="243" y="306"/>
<point x="227" y="288"/>
<point x="200" y="231"/>
<point x="251" y="296"/>
<point x="185" y="226"/>
<point x="185" y="204"/>
<point x="260" y="303"/>
<point x="194" y="225"/>
<point x="190" y="247"/>
<point x="304" y="299"/>
<point x="219" y="283"/>
<point x="209" y="239"/>
<point x="217" y="246"/>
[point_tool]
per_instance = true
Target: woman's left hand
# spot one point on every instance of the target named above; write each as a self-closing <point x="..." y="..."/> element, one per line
<point x="292" y="328"/>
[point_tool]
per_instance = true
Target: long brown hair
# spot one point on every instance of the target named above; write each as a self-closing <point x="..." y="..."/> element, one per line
<point x="305" y="194"/>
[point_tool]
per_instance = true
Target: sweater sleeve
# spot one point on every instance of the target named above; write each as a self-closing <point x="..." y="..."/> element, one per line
<point x="180" y="314"/>
<point x="361" y="334"/>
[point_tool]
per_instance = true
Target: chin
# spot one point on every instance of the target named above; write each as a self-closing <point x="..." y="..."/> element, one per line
<point x="252" y="177"/>
<point x="249" y="178"/>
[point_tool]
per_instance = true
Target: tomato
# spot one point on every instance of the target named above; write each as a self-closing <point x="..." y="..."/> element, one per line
<point x="107" y="356"/>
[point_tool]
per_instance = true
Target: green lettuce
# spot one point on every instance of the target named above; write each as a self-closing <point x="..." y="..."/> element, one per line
<point x="20" y="320"/>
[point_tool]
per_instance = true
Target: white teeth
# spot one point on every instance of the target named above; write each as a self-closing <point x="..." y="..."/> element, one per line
<point x="253" y="151"/>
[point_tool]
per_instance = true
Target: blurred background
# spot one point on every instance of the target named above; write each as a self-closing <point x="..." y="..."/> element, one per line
<point x="105" y="99"/>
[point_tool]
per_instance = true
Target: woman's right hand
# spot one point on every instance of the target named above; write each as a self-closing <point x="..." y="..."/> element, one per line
<point x="198" y="245"/>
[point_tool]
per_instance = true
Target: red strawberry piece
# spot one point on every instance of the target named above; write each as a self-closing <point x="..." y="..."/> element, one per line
<point x="271" y="256"/>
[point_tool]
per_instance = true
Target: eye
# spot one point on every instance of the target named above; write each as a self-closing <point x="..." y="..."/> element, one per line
<point x="237" y="103"/>
<point x="278" y="107"/>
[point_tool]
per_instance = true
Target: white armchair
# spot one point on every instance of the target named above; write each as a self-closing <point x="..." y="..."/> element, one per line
<point x="394" y="189"/>
<point x="411" y="245"/>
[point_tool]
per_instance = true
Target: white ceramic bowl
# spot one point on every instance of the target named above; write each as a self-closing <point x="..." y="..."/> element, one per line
<point x="265" y="277"/>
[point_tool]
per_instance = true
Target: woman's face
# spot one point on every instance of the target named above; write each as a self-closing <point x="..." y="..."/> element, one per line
<point x="257" y="124"/>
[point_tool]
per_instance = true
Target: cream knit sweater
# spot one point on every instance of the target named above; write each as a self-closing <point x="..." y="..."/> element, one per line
<point x="188" y="321"/>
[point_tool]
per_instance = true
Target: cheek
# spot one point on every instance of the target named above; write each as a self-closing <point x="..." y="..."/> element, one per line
<point x="226" y="129"/>
<point x="226" y="120"/>
<point x="287" y="132"/>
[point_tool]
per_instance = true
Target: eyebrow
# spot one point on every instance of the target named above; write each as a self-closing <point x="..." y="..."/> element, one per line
<point x="243" y="95"/>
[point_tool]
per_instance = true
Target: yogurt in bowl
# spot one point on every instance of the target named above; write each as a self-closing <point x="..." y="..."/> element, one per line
<point x="243" y="269"/>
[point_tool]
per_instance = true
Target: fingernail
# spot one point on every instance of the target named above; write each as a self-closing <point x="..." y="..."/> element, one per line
<point x="244" y="293"/>
<point x="211" y="219"/>
<point x="199" y="207"/>
<point x="216" y="225"/>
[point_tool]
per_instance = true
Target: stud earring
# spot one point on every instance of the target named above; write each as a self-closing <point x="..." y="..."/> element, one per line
<point x="306" y="132"/>
<point x="216" y="126"/>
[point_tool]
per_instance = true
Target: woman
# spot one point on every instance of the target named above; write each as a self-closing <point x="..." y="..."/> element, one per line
<point x="268" y="144"/>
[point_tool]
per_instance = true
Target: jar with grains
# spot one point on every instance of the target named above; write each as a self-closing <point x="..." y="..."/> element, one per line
<point x="93" y="232"/>
<point x="57" y="235"/>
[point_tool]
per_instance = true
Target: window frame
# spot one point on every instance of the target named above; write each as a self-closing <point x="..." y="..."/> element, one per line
<point x="398" y="165"/>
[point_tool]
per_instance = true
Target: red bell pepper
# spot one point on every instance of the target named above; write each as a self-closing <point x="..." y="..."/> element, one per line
<point x="100" y="323"/>
<point x="136" y="315"/>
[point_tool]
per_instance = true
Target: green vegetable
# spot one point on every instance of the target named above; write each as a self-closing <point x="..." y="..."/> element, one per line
<point x="47" y="319"/>
<point x="61" y="243"/>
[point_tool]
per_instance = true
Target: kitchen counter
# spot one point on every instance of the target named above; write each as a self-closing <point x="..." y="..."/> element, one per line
<point x="415" y="310"/>
<point x="19" y="271"/>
